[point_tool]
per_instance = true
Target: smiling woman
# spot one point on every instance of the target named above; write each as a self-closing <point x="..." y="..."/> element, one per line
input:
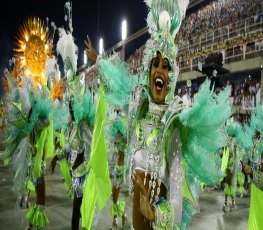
<point x="159" y="78"/>
<point x="165" y="140"/>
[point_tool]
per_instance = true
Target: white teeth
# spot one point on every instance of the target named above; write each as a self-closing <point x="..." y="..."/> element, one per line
<point x="159" y="80"/>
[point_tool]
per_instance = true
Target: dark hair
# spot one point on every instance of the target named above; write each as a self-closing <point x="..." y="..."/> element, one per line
<point x="155" y="57"/>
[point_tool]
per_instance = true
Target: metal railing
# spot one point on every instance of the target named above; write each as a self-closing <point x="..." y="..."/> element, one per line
<point x="189" y="56"/>
<point x="207" y="40"/>
<point x="245" y="26"/>
<point x="231" y="55"/>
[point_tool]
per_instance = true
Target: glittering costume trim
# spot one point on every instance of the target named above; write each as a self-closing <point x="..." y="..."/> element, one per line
<point x="118" y="176"/>
<point x="118" y="209"/>
<point x="36" y="216"/>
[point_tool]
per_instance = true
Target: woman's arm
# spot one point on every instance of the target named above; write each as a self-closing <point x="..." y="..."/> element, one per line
<point x="176" y="175"/>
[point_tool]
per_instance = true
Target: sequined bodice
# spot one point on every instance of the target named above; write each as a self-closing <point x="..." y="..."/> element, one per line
<point x="149" y="136"/>
<point x="149" y="130"/>
<point x="76" y="146"/>
<point x="74" y="139"/>
<point x="147" y="144"/>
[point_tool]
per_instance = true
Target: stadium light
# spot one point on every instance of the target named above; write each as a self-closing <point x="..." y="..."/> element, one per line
<point x="85" y="57"/>
<point x="124" y="30"/>
<point x="101" y="46"/>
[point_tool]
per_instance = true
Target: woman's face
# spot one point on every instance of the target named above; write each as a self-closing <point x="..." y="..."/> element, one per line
<point x="159" y="79"/>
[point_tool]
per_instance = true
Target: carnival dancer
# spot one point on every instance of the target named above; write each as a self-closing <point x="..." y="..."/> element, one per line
<point x="240" y="143"/>
<point x="229" y="183"/>
<point x="79" y="131"/>
<point x="30" y="119"/>
<point x="166" y="140"/>
<point x="116" y="132"/>
<point x="88" y="165"/>
<point x="255" y="170"/>
<point x="29" y="144"/>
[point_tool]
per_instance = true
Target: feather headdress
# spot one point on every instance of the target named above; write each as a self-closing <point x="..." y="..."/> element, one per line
<point x="163" y="21"/>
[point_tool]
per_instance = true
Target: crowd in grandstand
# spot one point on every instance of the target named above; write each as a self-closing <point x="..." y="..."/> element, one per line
<point x="244" y="94"/>
<point x="228" y="16"/>
<point x="218" y="14"/>
<point x="230" y="47"/>
<point x="221" y="25"/>
<point x="135" y="60"/>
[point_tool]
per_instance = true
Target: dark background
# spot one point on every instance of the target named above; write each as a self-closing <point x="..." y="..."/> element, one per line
<point x="97" y="18"/>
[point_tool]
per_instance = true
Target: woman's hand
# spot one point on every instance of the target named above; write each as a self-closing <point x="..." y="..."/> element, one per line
<point x="145" y="206"/>
<point x="91" y="53"/>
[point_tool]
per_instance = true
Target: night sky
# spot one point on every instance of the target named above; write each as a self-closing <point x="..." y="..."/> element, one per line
<point x="97" y="18"/>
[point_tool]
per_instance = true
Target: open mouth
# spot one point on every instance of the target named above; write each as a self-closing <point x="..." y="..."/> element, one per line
<point x="158" y="84"/>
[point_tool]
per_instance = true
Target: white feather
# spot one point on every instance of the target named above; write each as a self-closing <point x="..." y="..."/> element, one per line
<point x="152" y="27"/>
<point x="21" y="164"/>
<point x="51" y="66"/>
<point x="148" y="3"/>
<point x="56" y="103"/>
<point x="164" y="20"/>
<point x="176" y="30"/>
<point x="183" y="4"/>
<point x="24" y="97"/>
<point x="67" y="48"/>
<point x="39" y="86"/>
<point x="69" y="74"/>
<point x="57" y="75"/>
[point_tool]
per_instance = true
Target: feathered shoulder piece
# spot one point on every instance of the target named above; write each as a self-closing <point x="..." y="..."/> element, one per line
<point x="241" y="134"/>
<point x="206" y="132"/>
<point x="84" y="108"/>
<point x="68" y="51"/>
<point x="117" y="126"/>
<point x="163" y="21"/>
<point x="257" y="119"/>
<point x="118" y="81"/>
<point x="61" y="115"/>
<point x="257" y="125"/>
<point x="24" y="113"/>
